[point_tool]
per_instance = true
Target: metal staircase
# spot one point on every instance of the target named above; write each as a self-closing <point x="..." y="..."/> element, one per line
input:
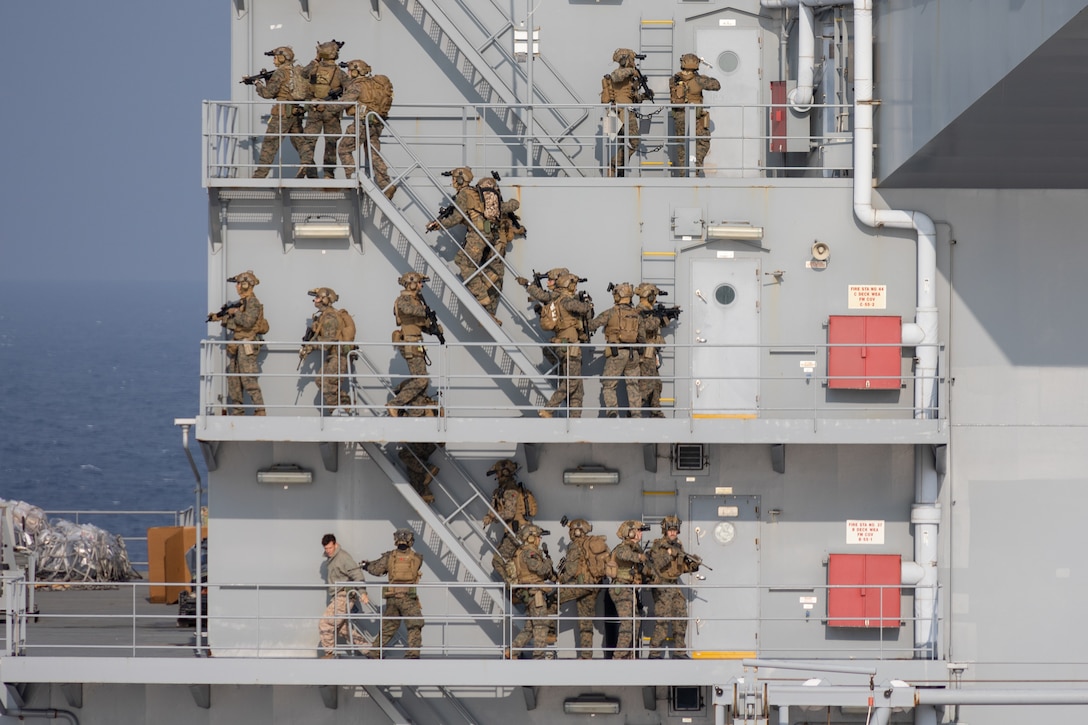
<point x="447" y="282"/>
<point x="479" y="62"/>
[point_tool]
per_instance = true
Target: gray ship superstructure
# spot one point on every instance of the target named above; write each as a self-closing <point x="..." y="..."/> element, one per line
<point x="873" y="398"/>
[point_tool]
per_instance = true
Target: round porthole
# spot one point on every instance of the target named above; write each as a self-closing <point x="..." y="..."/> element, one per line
<point x="725" y="294"/>
<point x="728" y="61"/>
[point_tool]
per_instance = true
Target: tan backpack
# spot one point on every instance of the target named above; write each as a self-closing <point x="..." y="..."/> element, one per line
<point x="624" y="324"/>
<point x="298" y="85"/>
<point x="377" y="94"/>
<point x="597" y="556"/>
<point x="549" y="316"/>
<point x="346" y="329"/>
<point x="326" y="79"/>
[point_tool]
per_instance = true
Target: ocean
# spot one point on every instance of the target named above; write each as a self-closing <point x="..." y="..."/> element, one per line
<point x="92" y="375"/>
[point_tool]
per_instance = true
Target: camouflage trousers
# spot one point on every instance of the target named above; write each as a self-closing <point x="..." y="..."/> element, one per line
<point x="702" y="140"/>
<point x="670" y="609"/>
<point x="536" y="626"/>
<point x="586" y="602"/>
<point x="334" y="380"/>
<point x="468" y="260"/>
<point x="569" y="388"/>
<point x="623" y="596"/>
<point x="244" y="365"/>
<point x="334" y="622"/>
<point x="624" y="363"/>
<point x="414" y="456"/>
<point x="321" y="119"/>
<point x="628" y="137"/>
<point x="417" y="367"/>
<point x="372" y="147"/>
<point x="277" y="125"/>
<point x="649" y="387"/>
<point x="403" y="608"/>
<point x="495" y="274"/>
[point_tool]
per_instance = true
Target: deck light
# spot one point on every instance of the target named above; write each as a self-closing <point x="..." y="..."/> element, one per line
<point x="285" y="474"/>
<point x="740" y="232"/>
<point x="592" y="704"/>
<point x="322" y="229"/>
<point x="591" y="476"/>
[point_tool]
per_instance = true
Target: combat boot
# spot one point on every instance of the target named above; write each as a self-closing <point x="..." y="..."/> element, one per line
<point x="393" y="412"/>
<point x="432" y="471"/>
<point x="545" y="413"/>
<point x="259" y="411"/>
<point x="390" y="191"/>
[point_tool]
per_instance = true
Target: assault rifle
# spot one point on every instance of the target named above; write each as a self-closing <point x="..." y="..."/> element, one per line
<point x="262" y="76"/>
<point x="696" y="561"/>
<point x="311" y="333"/>
<point x="432" y="328"/>
<point x="537" y="276"/>
<point x="646" y="90"/>
<point x="444" y="212"/>
<point x="224" y="310"/>
<point x="583" y="296"/>
<point x="664" y="313"/>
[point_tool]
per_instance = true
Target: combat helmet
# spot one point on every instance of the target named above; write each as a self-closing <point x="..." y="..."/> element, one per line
<point x="487" y="182"/>
<point x="326" y="292"/>
<point x="530" y="532"/>
<point x="623" y="55"/>
<point x="567" y="282"/>
<point x="556" y="272"/>
<point x="409" y="278"/>
<point x="622" y="292"/>
<point x="404" y="536"/>
<point x="360" y="67"/>
<point x="579" y="525"/>
<point x="285" y="51"/>
<point x="647" y="291"/>
<point x="461" y="176"/>
<point x="247" y="279"/>
<point x="670" y="522"/>
<point x="329" y="50"/>
<point x="505" y="468"/>
<point x="627" y="528"/>
<point x="689" y="61"/>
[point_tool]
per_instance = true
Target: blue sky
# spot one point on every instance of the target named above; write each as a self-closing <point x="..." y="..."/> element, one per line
<point x="102" y="134"/>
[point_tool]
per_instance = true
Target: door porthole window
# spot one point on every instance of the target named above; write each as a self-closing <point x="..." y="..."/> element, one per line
<point x="728" y="61"/>
<point x="725" y="294"/>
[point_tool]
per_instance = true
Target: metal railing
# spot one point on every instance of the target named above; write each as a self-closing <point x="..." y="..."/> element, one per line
<point x="477" y="135"/>
<point x="279" y="619"/>
<point x="730" y="390"/>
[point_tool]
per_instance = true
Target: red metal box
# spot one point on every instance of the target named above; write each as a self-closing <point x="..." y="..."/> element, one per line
<point x="863" y="590"/>
<point x="865" y="352"/>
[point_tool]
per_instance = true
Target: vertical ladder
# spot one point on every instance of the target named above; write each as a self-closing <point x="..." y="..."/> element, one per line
<point x="659" y="268"/>
<point x="655" y="40"/>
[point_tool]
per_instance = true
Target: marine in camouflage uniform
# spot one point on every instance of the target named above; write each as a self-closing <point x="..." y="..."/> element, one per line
<point x="402" y="566"/>
<point x="325" y="328"/>
<point x="467" y="211"/>
<point x="414" y="455"/>
<point x="569" y="332"/>
<point x="619" y="361"/>
<point x="686" y="88"/>
<point x="666" y="564"/>
<point x="246" y="324"/>
<point x="339" y="568"/>
<point x="649" y="334"/>
<point x="500" y="235"/>
<point x="542" y="297"/>
<point x="327" y="82"/>
<point x="534" y="566"/>
<point x="515" y="505"/>
<point x="574" y="569"/>
<point x="624" y="590"/>
<point x="286" y="117"/>
<point x="411" y="315"/>
<point x="360" y="92"/>
<point x="621" y="87"/>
